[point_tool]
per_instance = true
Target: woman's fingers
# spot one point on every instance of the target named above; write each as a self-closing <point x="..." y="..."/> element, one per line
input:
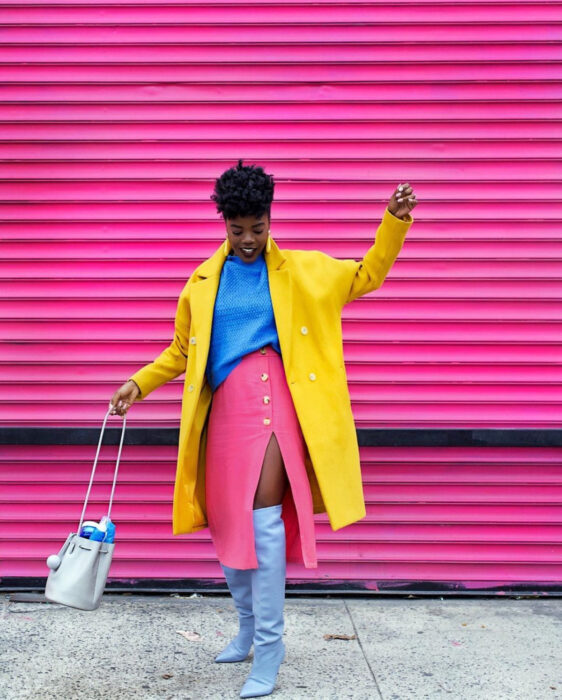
<point x="405" y="195"/>
<point x="404" y="191"/>
<point x="119" y="404"/>
<point x="122" y="407"/>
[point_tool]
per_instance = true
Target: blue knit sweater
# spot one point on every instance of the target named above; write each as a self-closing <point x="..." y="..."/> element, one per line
<point x="243" y="319"/>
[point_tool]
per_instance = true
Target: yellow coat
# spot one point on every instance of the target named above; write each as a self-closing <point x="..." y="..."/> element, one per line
<point x="308" y="291"/>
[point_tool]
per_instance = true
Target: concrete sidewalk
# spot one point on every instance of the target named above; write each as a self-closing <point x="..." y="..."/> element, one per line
<point x="403" y="649"/>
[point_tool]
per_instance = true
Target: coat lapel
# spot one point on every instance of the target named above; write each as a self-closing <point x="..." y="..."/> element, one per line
<point x="204" y="292"/>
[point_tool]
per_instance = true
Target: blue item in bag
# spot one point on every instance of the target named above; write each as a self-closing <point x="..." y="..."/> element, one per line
<point x="87" y="528"/>
<point x="105" y="532"/>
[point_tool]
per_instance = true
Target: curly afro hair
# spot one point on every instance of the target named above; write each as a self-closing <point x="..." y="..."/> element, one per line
<point x="244" y="190"/>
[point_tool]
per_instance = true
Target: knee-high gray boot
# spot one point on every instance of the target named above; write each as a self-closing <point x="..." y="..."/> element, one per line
<point x="240" y="586"/>
<point x="268" y="597"/>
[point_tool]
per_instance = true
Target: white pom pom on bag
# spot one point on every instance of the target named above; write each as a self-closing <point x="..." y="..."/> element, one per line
<point x="79" y="571"/>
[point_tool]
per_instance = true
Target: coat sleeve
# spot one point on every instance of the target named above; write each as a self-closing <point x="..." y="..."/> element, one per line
<point x="173" y="360"/>
<point x="358" y="278"/>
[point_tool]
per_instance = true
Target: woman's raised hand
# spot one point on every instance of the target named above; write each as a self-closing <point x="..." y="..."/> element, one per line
<point x="402" y="201"/>
<point x="124" y="397"/>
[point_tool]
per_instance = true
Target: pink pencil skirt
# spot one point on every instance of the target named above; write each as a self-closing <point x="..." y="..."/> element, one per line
<point x="253" y="402"/>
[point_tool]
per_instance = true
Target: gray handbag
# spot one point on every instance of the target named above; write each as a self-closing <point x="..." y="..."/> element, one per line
<point x="79" y="571"/>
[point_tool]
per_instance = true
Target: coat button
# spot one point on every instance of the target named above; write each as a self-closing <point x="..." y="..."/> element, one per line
<point x="266" y="421"/>
<point x="304" y="330"/>
<point x="264" y="377"/>
<point x="312" y="376"/>
<point x="262" y="350"/>
<point x="193" y="340"/>
<point x="266" y="399"/>
<point x="190" y="387"/>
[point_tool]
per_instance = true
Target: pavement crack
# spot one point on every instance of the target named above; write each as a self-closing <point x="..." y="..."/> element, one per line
<point x="363" y="650"/>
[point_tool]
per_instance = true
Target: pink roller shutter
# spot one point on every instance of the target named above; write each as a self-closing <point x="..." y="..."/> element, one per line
<point x="116" y="118"/>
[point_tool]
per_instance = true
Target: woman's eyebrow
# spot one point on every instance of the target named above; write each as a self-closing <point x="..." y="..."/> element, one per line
<point x="253" y="225"/>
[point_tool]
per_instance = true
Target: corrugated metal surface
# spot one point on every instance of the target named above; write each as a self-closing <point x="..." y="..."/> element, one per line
<point x="116" y="119"/>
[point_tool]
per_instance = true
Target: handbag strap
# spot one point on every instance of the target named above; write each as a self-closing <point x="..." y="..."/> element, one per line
<point x="94" y="467"/>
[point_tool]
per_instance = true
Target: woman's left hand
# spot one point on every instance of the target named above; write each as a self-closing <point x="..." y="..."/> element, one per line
<point x="402" y="201"/>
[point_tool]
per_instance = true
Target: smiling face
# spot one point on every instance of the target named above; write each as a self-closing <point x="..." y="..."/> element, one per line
<point x="248" y="232"/>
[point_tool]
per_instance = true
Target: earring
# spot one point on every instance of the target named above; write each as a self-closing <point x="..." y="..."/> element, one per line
<point x="268" y="244"/>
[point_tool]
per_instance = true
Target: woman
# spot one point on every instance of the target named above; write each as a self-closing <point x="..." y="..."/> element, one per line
<point x="267" y="436"/>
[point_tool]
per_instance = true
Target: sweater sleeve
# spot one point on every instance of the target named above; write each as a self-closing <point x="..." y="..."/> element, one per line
<point x="173" y="360"/>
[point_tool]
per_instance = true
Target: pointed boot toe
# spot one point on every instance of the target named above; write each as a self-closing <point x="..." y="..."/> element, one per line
<point x="239" y="647"/>
<point x="262" y="682"/>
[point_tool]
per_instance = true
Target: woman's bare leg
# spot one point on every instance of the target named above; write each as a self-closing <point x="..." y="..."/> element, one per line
<point x="273" y="478"/>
